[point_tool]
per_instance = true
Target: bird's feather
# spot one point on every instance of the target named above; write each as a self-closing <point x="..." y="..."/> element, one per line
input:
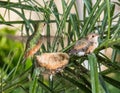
<point x="80" y="46"/>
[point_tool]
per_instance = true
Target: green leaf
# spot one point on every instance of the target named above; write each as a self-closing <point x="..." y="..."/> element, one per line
<point x="112" y="81"/>
<point x="76" y="83"/>
<point x="1" y="18"/>
<point x="109" y="17"/>
<point x="88" y="4"/>
<point x="94" y="73"/>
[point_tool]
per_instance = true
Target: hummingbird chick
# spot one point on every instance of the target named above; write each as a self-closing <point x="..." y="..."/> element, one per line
<point x="85" y="45"/>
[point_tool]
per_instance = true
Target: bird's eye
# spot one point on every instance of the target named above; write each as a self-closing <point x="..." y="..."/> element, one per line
<point x="92" y="36"/>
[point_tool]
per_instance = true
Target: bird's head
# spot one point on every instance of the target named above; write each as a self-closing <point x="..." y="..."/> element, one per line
<point x="93" y="37"/>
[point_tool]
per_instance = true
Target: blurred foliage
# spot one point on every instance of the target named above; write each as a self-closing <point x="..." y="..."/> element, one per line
<point x="19" y="75"/>
<point x="10" y="50"/>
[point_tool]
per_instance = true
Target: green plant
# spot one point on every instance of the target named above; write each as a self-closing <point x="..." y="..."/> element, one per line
<point x="75" y="77"/>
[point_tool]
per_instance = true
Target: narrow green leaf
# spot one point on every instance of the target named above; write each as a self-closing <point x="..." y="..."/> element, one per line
<point x="107" y="62"/>
<point x="75" y="25"/>
<point x="75" y="82"/>
<point x="5" y="4"/>
<point x="103" y="84"/>
<point x="84" y="30"/>
<point x="23" y="17"/>
<point x="94" y="73"/>
<point x="96" y="16"/>
<point x="2" y="18"/>
<point x="114" y="54"/>
<point x="33" y="86"/>
<point x="112" y="81"/>
<point x="45" y="86"/>
<point x="13" y="83"/>
<point x="88" y="4"/>
<point x="62" y="23"/>
<point x="109" y="17"/>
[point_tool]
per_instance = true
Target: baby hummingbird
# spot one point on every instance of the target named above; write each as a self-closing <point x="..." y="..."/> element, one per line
<point x="85" y="45"/>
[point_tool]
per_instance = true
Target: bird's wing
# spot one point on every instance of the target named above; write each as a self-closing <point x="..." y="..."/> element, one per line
<point x="81" y="45"/>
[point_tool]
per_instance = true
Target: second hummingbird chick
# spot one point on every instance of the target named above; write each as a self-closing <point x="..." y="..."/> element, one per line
<point x="85" y="45"/>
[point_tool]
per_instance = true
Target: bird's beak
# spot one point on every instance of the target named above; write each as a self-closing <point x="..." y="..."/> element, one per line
<point x="97" y="35"/>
